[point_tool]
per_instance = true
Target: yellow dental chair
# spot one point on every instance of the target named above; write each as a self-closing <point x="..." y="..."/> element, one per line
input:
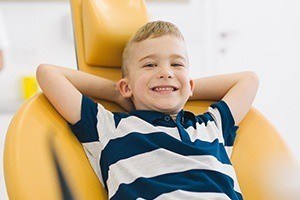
<point x="39" y="139"/>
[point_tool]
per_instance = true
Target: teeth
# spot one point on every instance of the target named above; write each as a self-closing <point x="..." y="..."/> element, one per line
<point x="164" y="89"/>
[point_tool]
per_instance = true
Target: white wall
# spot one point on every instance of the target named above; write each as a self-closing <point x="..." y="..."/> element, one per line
<point x="263" y="36"/>
<point x="39" y="32"/>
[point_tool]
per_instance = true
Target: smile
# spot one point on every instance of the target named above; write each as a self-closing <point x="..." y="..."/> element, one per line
<point x="164" y="88"/>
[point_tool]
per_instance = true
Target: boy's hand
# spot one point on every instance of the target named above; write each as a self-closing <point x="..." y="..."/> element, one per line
<point x="238" y="90"/>
<point x="125" y="103"/>
<point x="64" y="87"/>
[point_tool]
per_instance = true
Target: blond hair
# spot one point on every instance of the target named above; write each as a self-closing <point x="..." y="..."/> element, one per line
<point x="153" y="29"/>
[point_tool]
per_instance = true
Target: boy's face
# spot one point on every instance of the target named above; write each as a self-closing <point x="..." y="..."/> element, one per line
<point x="158" y="75"/>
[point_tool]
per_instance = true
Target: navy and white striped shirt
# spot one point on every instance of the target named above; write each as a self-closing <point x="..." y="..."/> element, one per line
<point x="148" y="155"/>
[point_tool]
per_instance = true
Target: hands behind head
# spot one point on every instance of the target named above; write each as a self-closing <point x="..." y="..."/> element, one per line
<point x="125" y="103"/>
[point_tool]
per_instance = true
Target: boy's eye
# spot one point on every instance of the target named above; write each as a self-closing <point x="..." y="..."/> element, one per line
<point x="150" y="65"/>
<point x="177" y="65"/>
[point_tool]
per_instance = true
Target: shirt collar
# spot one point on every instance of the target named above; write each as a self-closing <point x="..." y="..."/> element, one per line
<point x="150" y="115"/>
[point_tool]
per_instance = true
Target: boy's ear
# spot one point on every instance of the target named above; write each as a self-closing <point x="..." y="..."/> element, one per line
<point x="124" y="88"/>
<point x="192" y="84"/>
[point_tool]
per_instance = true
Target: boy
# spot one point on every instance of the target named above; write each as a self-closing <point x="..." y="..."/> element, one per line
<point x="157" y="150"/>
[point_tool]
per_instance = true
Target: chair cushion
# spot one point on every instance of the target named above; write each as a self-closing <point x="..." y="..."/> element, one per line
<point x="107" y="25"/>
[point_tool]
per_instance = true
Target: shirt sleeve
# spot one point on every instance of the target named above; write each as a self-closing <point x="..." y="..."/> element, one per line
<point x="94" y="127"/>
<point x="86" y="128"/>
<point x="224" y="120"/>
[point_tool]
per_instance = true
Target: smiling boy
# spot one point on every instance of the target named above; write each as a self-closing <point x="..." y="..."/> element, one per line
<point x="157" y="80"/>
<point x="157" y="150"/>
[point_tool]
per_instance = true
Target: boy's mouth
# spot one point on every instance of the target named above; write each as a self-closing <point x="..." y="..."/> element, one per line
<point x="164" y="88"/>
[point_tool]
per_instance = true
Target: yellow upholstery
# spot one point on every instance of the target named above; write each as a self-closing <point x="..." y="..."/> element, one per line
<point x="106" y="26"/>
<point x="29" y="168"/>
<point x="28" y="164"/>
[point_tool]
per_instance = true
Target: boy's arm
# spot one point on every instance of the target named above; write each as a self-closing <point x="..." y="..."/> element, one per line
<point x="63" y="88"/>
<point x="238" y="90"/>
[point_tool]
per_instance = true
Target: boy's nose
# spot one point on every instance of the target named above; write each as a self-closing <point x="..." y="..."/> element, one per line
<point x="165" y="72"/>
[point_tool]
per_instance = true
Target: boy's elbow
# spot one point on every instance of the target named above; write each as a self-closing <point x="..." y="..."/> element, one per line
<point x="253" y="81"/>
<point x="41" y="73"/>
<point x="253" y="76"/>
<point x="41" y="69"/>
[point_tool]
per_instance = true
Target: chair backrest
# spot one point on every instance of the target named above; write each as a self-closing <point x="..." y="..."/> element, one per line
<point x="101" y="29"/>
<point x="29" y="164"/>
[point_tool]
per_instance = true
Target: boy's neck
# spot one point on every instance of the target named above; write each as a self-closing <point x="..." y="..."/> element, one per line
<point x="173" y="116"/>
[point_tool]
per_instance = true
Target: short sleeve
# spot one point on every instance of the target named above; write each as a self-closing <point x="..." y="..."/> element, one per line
<point x="86" y="128"/>
<point x="224" y="120"/>
<point x="94" y="127"/>
<point x="86" y="131"/>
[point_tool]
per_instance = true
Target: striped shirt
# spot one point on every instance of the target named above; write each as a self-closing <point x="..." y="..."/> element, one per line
<point x="148" y="155"/>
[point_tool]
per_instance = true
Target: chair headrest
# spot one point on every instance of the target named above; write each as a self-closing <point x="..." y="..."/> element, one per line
<point x="107" y="25"/>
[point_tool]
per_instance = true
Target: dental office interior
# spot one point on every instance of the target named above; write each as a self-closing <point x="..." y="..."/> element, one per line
<point x="221" y="37"/>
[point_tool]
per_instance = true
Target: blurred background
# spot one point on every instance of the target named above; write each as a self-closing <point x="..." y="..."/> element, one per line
<point x="221" y="36"/>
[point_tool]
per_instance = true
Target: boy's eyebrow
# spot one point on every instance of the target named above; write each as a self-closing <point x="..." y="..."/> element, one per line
<point x="148" y="56"/>
<point x="154" y="55"/>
